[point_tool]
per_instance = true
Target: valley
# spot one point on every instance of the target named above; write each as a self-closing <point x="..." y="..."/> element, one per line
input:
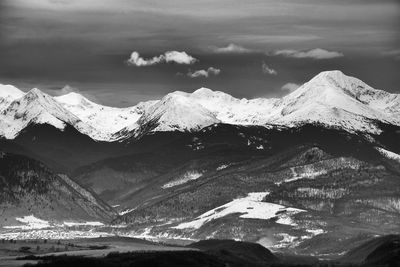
<point x="315" y="173"/>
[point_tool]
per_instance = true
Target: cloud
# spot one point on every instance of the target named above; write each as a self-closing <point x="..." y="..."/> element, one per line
<point x="268" y="70"/>
<point x="168" y="57"/>
<point x="65" y="90"/>
<point x="179" y="57"/>
<point x="231" y="48"/>
<point x="204" y="73"/>
<point x="316" y="53"/>
<point x="290" y="87"/>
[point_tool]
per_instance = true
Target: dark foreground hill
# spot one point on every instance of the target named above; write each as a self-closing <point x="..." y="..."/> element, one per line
<point x="232" y="251"/>
<point x="28" y="187"/>
<point x="382" y="251"/>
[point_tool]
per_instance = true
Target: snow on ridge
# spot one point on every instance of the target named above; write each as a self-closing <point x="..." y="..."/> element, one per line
<point x="388" y="154"/>
<point x="70" y="224"/>
<point x="40" y="108"/>
<point x="222" y="167"/>
<point x="126" y="211"/>
<point x="250" y="207"/>
<point x="104" y="119"/>
<point x="10" y="92"/>
<point x="188" y="176"/>
<point x="331" y="98"/>
<point x="177" y="112"/>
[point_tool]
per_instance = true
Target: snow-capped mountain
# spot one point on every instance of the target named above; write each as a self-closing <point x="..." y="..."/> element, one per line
<point x="330" y="98"/>
<point x="334" y="99"/>
<point x="105" y="120"/>
<point x="36" y="107"/>
<point x="175" y="112"/>
<point x="8" y="93"/>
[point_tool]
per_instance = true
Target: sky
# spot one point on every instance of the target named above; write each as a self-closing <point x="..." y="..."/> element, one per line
<point x="121" y="52"/>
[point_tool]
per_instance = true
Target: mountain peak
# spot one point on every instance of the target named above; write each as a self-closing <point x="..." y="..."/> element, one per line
<point x="331" y="74"/>
<point x="203" y="91"/>
<point x="176" y="112"/>
<point x="335" y="79"/>
<point x="208" y="94"/>
<point x="72" y="99"/>
<point x="35" y="93"/>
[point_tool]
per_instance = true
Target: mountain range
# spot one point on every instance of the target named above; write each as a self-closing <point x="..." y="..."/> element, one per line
<point x="330" y="98"/>
<point x="316" y="171"/>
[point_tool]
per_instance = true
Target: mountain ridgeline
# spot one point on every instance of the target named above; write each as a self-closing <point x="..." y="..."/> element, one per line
<point x="316" y="171"/>
<point x="330" y="98"/>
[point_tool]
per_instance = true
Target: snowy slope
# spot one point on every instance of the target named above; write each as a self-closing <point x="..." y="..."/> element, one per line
<point x="251" y="206"/>
<point x="334" y="99"/>
<point x="330" y="98"/>
<point x="36" y="107"/>
<point x="8" y="93"/>
<point x="175" y="112"/>
<point x="232" y="110"/>
<point x="105" y="120"/>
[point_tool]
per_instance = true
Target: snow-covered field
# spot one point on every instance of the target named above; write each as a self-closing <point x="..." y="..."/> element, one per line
<point x="31" y="227"/>
<point x="57" y="233"/>
<point x="251" y="207"/>
<point x="29" y="222"/>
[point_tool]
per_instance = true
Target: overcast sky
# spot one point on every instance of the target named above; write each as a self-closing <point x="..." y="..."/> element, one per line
<point x="120" y="52"/>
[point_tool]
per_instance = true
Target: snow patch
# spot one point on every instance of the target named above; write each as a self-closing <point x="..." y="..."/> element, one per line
<point x="223" y="166"/>
<point x="31" y="222"/>
<point x="189" y="176"/>
<point x="52" y="234"/>
<point x="125" y="211"/>
<point x="250" y="207"/>
<point x="315" y="232"/>
<point x="286" y="240"/>
<point x="71" y="224"/>
<point x="388" y="154"/>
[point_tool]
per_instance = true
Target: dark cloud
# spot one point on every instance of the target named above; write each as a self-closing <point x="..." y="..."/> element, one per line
<point x="50" y="43"/>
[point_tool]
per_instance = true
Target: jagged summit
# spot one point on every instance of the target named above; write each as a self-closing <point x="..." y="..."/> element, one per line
<point x="331" y="98"/>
